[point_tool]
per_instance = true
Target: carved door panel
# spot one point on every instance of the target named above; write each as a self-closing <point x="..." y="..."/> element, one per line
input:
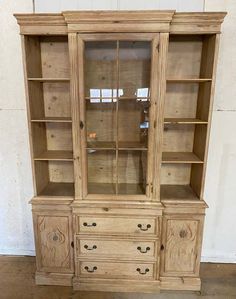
<point x="181" y="245"/>
<point x="53" y="236"/>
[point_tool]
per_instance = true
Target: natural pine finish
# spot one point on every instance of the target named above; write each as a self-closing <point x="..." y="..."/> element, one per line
<point x="119" y="109"/>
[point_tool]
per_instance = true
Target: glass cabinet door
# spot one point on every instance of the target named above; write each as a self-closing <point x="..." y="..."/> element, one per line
<point x="117" y="104"/>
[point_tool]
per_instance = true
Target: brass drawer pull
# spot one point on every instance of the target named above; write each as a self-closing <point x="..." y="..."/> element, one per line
<point x="143" y="251"/>
<point x="90" y="270"/>
<point x="142" y="273"/>
<point x="90" y="248"/>
<point x="89" y="225"/>
<point x="144" y="229"/>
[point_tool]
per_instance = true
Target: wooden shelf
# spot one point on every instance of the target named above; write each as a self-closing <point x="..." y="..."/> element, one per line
<point x="124" y="145"/>
<point x="52" y="120"/>
<point x="100" y="145"/>
<point x="106" y="188"/>
<point x="180" y="157"/>
<point x="194" y="80"/>
<point x="184" y="121"/>
<point x="178" y="192"/>
<point x="55" y="156"/>
<point x="58" y="189"/>
<point x="49" y="79"/>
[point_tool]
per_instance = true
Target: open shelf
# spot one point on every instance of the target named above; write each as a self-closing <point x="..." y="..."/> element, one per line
<point x="178" y="192"/>
<point x="49" y="79"/>
<point x="188" y="80"/>
<point x="180" y="157"/>
<point x="54" y="177"/>
<point x="52" y="120"/>
<point x="55" y="155"/>
<point x="184" y="121"/>
<point x="58" y="189"/>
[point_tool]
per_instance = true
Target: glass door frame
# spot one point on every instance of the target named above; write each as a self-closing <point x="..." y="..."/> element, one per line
<point x="153" y="38"/>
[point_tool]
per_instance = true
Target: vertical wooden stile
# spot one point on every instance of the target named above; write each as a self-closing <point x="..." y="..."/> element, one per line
<point x="75" y="114"/>
<point x="117" y="111"/>
<point x="82" y="114"/>
<point x="152" y="114"/>
<point x="159" y="89"/>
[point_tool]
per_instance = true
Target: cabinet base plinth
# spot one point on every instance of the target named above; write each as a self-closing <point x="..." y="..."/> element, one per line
<point x="180" y="284"/>
<point x="116" y="285"/>
<point x="58" y="279"/>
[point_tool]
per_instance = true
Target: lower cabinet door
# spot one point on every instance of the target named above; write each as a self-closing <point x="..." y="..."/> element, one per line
<point x="53" y="238"/>
<point x="181" y="245"/>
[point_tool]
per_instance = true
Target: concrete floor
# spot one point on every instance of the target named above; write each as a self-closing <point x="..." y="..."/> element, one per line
<point x="17" y="282"/>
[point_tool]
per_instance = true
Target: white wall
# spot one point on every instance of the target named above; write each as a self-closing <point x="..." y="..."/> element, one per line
<point x="15" y="175"/>
<point x="220" y="236"/>
<point x="59" y="5"/>
<point x="16" y="235"/>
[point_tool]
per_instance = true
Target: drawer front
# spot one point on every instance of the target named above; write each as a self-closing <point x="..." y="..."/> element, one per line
<point x="121" y="248"/>
<point x="135" y="270"/>
<point x="117" y="225"/>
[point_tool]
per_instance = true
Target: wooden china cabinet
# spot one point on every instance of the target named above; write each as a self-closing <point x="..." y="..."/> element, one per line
<point x="119" y="111"/>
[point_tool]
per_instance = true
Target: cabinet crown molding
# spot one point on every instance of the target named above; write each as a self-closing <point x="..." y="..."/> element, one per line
<point x="121" y="21"/>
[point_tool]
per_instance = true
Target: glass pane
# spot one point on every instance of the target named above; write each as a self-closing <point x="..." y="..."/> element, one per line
<point x="132" y="168"/>
<point x="101" y="124"/>
<point x="134" y="68"/>
<point x="101" y="92"/>
<point x="117" y="85"/>
<point x="134" y="92"/>
<point x="100" y="69"/>
<point x="133" y="123"/>
<point x="101" y="171"/>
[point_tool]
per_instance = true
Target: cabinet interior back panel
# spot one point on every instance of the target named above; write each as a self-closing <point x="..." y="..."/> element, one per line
<point x="184" y="57"/>
<point x="55" y="57"/>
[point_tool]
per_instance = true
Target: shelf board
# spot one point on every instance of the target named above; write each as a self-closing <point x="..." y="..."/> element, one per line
<point x="178" y="192"/>
<point x="58" y="189"/>
<point x="110" y="188"/>
<point x="49" y="79"/>
<point x="180" y="157"/>
<point x="101" y="145"/>
<point x="184" y="121"/>
<point x="125" y="145"/>
<point x="52" y="120"/>
<point x="122" y="145"/>
<point x="190" y="80"/>
<point x="55" y="156"/>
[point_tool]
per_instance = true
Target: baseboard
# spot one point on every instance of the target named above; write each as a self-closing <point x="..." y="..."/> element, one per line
<point x="115" y="285"/>
<point x="58" y="279"/>
<point x="180" y="284"/>
<point x="219" y="257"/>
<point x="14" y="251"/>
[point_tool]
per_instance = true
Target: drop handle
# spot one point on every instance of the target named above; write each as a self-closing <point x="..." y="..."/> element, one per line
<point x="143" y="251"/>
<point x="89" y="224"/>
<point x="90" y="248"/>
<point x="90" y="270"/>
<point x="143" y="227"/>
<point x="142" y="272"/>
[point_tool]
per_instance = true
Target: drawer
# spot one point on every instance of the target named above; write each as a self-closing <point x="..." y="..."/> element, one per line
<point x="135" y="249"/>
<point x="117" y="225"/>
<point x="104" y="269"/>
